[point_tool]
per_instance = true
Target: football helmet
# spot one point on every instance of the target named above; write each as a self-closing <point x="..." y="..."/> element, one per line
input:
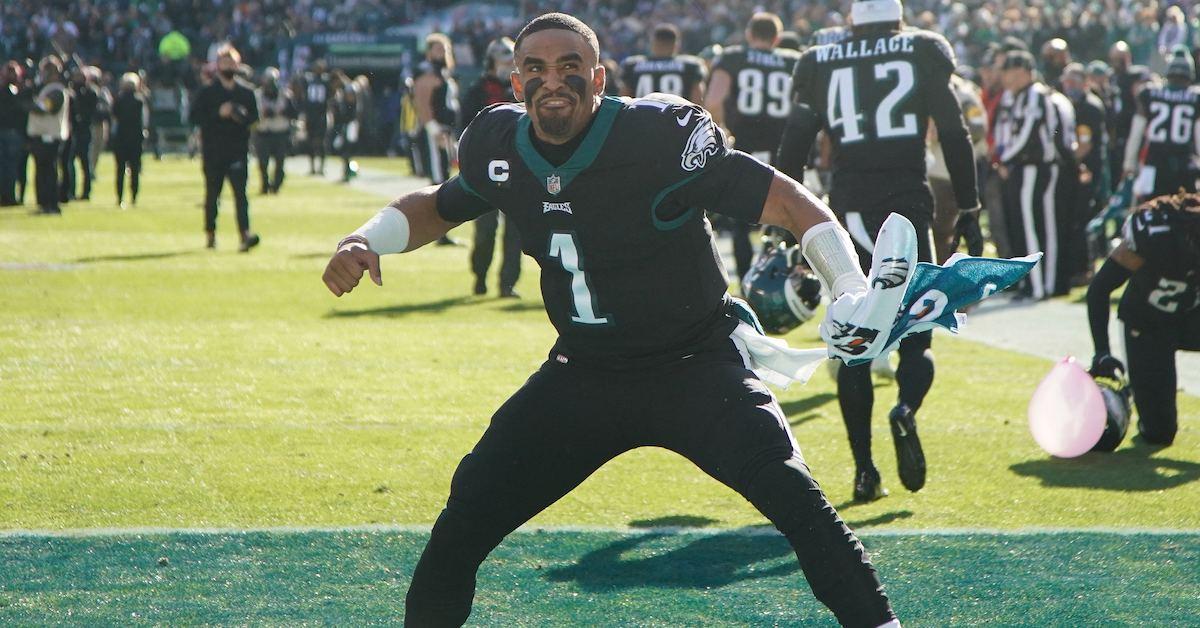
<point x="783" y="293"/>
<point x="1109" y="374"/>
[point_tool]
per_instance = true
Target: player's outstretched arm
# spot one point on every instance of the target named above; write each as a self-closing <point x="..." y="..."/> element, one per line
<point x="406" y="224"/>
<point x="1115" y="271"/>
<point x="824" y="242"/>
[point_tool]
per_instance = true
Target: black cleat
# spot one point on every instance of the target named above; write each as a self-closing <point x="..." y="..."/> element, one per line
<point x="867" y="486"/>
<point x="249" y="243"/>
<point x="509" y="293"/>
<point x="910" y="459"/>
<point x="480" y="287"/>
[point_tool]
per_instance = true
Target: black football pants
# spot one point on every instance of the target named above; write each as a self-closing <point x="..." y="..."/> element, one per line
<point x="568" y="420"/>
<point x="1152" y="374"/>
<point x="914" y="373"/>
<point x="271" y="145"/>
<point x="216" y="169"/>
<point x="1031" y="215"/>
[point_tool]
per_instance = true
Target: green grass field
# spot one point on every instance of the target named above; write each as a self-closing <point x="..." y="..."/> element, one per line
<point x="146" y="382"/>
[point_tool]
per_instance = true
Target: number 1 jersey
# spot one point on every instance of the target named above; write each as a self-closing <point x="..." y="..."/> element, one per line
<point x="630" y="274"/>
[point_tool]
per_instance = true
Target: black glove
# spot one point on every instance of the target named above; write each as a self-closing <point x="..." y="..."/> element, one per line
<point x="967" y="227"/>
<point x="1105" y="365"/>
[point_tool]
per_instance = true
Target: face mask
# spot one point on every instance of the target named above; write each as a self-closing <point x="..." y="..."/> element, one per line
<point x="228" y="74"/>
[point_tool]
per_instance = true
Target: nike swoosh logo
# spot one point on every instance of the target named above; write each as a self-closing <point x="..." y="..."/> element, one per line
<point x="684" y="120"/>
<point x="900" y="428"/>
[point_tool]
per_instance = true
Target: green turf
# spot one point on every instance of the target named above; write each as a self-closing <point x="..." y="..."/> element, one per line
<point x="595" y="578"/>
<point x="145" y="381"/>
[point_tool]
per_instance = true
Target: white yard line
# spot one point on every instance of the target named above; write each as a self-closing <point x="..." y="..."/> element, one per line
<point x="534" y="530"/>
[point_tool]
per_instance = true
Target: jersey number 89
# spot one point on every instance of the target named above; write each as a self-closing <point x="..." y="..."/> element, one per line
<point x="842" y="109"/>
<point x="756" y="88"/>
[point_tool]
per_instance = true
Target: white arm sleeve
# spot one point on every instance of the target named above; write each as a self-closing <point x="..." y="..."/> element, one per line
<point x="386" y="232"/>
<point x="829" y="251"/>
<point x="1135" y="141"/>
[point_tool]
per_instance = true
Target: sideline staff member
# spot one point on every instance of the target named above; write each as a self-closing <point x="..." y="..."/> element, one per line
<point x="224" y="111"/>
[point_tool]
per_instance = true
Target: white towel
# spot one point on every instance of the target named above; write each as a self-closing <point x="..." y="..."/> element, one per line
<point x="773" y="361"/>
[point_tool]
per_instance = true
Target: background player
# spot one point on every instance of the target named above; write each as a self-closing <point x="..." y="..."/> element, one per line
<point x="318" y="95"/>
<point x="1165" y="124"/>
<point x="750" y="95"/>
<point x="1159" y="256"/>
<point x="874" y="94"/>
<point x="605" y="193"/>
<point x="665" y="71"/>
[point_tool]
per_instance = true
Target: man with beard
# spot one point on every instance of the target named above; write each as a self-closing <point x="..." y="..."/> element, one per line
<point x="224" y="111"/>
<point x="608" y="195"/>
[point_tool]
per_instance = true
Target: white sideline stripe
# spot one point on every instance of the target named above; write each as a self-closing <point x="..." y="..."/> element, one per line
<point x="533" y="530"/>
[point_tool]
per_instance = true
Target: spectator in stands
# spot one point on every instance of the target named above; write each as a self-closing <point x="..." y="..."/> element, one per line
<point x="224" y="111"/>
<point x="131" y="119"/>
<point x="48" y="129"/>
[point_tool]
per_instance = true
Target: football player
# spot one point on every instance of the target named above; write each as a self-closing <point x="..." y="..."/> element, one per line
<point x="665" y="71"/>
<point x="1159" y="256"/>
<point x="750" y="95"/>
<point x="873" y="94"/>
<point x="1166" y="123"/>
<point x="606" y="193"/>
<point x="318" y="98"/>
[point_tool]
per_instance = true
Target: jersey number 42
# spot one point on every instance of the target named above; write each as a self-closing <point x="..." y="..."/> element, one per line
<point x="845" y="115"/>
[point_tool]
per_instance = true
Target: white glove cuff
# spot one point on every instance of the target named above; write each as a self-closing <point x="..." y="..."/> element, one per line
<point x="831" y="254"/>
<point x="386" y="232"/>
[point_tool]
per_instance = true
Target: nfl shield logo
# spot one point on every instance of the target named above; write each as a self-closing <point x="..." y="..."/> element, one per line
<point x="553" y="184"/>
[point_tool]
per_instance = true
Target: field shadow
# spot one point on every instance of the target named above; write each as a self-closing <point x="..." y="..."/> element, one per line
<point x="522" y="306"/>
<point x="136" y="257"/>
<point x="324" y="255"/>
<point x="1131" y="469"/>
<point x="395" y="311"/>
<point x="805" y="407"/>
<point x="880" y="520"/>
<point x="674" y="521"/>
<point x="704" y="561"/>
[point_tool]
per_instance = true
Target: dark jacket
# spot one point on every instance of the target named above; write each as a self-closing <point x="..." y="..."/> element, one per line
<point x="225" y="138"/>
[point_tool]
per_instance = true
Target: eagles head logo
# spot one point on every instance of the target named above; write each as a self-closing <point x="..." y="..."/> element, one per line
<point x="892" y="272"/>
<point x="702" y="143"/>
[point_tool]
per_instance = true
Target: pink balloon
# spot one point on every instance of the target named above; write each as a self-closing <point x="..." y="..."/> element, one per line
<point x="1066" y="412"/>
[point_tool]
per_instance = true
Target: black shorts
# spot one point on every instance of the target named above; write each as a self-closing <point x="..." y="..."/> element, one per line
<point x="1153" y="376"/>
<point x="568" y="420"/>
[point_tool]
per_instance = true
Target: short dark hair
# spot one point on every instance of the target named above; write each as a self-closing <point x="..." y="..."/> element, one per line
<point x="560" y="21"/>
<point x="1019" y="59"/>
<point x="666" y="34"/>
<point x="765" y="26"/>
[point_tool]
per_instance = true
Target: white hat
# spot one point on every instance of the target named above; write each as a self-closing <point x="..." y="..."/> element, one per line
<point x="875" y="11"/>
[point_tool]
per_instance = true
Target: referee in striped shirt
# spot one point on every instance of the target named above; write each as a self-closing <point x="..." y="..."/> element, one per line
<point x="1027" y="142"/>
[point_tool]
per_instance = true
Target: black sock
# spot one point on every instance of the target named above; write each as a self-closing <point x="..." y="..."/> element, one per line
<point x="857" y="397"/>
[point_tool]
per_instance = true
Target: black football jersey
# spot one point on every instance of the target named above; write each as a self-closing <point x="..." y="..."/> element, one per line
<point x="1171" y="121"/>
<point x="676" y="75"/>
<point x="759" y="100"/>
<point x="317" y="96"/>
<point x="1167" y="287"/>
<point x="630" y="273"/>
<point x="872" y="95"/>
